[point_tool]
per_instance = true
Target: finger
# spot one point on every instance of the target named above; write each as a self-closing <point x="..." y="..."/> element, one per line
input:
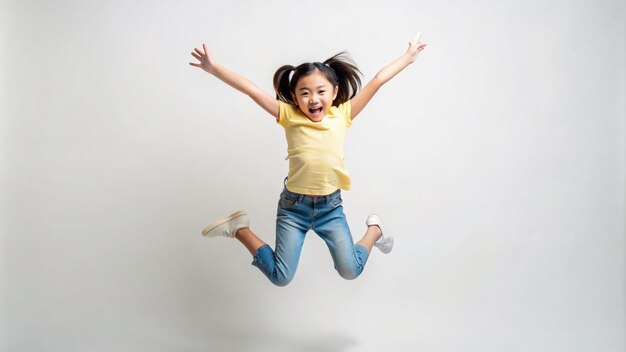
<point x="206" y="51"/>
<point x="196" y="55"/>
<point x="194" y="64"/>
<point x="417" y="38"/>
<point x="198" y="51"/>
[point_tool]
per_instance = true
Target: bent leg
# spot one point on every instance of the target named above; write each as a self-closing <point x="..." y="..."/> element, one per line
<point x="280" y="264"/>
<point x="349" y="259"/>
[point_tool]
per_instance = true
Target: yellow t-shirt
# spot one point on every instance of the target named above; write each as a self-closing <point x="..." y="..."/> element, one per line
<point x="315" y="150"/>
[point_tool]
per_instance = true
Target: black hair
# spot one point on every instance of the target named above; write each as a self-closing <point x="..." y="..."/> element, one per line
<point x="340" y="70"/>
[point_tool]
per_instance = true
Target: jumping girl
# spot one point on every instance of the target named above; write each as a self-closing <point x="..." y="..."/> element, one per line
<point x="315" y="103"/>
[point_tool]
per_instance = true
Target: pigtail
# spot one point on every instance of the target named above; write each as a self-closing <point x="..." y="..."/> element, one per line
<point x="348" y="76"/>
<point x="281" y="84"/>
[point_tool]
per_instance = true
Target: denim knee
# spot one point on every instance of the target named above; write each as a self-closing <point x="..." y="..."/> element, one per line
<point x="281" y="281"/>
<point x="351" y="272"/>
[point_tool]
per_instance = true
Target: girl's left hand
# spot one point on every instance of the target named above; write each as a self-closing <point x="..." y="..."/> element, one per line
<point x="205" y="58"/>
<point x="414" y="48"/>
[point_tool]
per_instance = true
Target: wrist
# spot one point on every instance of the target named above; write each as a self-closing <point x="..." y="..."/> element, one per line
<point x="214" y="69"/>
<point x="407" y="58"/>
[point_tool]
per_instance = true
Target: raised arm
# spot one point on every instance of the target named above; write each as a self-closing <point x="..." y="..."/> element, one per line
<point x="242" y="84"/>
<point x="363" y="97"/>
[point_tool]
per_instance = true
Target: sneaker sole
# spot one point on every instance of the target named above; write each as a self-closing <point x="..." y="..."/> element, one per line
<point x="222" y="221"/>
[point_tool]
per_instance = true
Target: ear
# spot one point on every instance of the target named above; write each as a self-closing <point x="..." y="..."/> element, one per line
<point x="335" y="92"/>
<point x="293" y="97"/>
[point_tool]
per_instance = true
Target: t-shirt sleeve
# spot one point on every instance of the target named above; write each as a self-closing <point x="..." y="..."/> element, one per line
<point x="346" y="110"/>
<point x="283" y="113"/>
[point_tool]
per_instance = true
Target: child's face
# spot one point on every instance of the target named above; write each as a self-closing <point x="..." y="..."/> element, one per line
<point x="314" y="95"/>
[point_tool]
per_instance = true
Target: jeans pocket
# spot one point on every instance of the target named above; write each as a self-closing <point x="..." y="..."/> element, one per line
<point x="286" y="202"/>
<point x="336" y="202"/>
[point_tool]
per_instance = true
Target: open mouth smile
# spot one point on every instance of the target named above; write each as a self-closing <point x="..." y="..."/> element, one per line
<point x="315" y="110"/>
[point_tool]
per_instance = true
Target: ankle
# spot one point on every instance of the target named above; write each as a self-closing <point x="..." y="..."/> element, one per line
<point x="242" y="232"/>
<point x="375" y="230"/>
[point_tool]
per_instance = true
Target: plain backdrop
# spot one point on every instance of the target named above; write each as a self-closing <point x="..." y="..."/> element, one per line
<point x="497" y="159"/>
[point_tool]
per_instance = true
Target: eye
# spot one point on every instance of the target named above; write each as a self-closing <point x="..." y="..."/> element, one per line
<point x="322" y="91"/>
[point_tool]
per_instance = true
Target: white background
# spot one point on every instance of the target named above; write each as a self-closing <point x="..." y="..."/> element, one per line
<point x="497" y="159"/>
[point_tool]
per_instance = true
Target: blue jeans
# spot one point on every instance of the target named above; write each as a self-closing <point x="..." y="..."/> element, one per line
<point x="297" y="214"/>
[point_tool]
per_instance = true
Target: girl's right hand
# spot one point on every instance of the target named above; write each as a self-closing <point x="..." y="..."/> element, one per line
<point x="206" y="60"/>
<point x="415" y="47"/>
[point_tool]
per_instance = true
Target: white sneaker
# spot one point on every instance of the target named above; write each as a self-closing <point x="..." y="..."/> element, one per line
<point x="227" y="226"/>
<point x="385" y="242"/>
